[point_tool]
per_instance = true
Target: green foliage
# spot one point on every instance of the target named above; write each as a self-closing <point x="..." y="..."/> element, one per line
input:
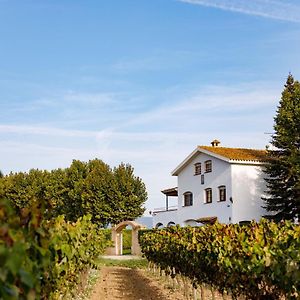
<point x="109" y="196"/>
<point x="24" y="253"/>
<point x="258" y="261"/>
<point x="130" y="193"/>
<point x="283" y="168"/>
<point x="127" y="241"/>
<point x="42" y="259"/>
<point x="23" y="189"/>
<point x="74" y="247"/>
<point x="139" y="263"/>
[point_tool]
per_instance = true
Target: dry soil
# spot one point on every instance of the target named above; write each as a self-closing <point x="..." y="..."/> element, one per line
<point x="130" y="284"/>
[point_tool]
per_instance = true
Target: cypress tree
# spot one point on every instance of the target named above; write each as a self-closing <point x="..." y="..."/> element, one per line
<point x="283" y="163"/>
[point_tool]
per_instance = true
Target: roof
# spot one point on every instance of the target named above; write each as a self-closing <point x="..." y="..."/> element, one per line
<point x="171" y="192"/>
<point x="207" y="220"/>
<point x="230" y="155"/>
<point x="238" y="153"/>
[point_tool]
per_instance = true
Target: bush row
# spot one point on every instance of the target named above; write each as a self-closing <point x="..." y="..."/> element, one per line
<point x="43" y="259"/>
<point x="258" y="261"/>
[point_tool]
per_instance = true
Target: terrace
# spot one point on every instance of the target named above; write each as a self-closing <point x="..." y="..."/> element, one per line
<point x="172" y="192"/>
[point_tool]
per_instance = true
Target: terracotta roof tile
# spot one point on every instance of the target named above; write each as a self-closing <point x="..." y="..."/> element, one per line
<point x="238" y="153"/>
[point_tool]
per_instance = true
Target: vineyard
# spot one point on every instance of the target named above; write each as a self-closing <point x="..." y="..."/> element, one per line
<point x="44" y="259"/>
<point x="51" y="225"/>
<point x="256" y="261"/>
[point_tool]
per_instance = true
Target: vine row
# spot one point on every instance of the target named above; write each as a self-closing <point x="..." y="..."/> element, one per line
<point x="257" y="261"/>
<point x="44" y="259"/>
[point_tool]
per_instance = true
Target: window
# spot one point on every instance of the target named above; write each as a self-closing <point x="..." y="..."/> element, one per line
<point x="202" y="179"/>
<point x="159" y="225"/>
<point x="208" y="195"/>
<point x="188" y="199"/>
<point x="197" y="168"/>
<point x="222" y="193"/>
<point x="171" y="223"/>
<point x="208" y="166"/>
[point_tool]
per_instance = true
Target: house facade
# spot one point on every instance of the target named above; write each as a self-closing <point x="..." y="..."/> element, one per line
<point x="216" y="183"/>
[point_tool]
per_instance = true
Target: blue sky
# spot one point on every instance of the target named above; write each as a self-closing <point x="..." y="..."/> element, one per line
<point x="142" y="82"/>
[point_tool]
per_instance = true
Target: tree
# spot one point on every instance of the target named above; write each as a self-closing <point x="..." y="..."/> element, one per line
<point x="131" y="193"/>
<point x="283" y="163"/>
<point x="99" y="195"/>
<point x="110" y="196"/>
<point x="22" y="189"/>
<point x="1" y="174"/>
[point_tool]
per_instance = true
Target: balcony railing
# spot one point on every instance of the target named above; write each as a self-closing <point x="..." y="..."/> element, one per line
<point x="164" y="209"/>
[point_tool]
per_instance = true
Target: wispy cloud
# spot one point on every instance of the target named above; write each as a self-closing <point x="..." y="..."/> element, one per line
<point x="47" y="131"/>
<point x="72" y="97"/>
<point x="159" y="60"/>
<point x="242" y="99"/>
<point x="287" y="10"/>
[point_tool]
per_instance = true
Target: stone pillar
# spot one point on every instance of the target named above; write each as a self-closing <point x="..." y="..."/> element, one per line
<point x="135" y="246"/>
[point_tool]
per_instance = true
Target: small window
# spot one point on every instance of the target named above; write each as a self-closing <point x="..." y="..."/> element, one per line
<point x="202" y="179"/>
<point x="188" y="199"/>
<point x="222" y="193"/>
<point x="208" y="195"/>
<point x="208" y="166"/>
<point x="197" y="168"/>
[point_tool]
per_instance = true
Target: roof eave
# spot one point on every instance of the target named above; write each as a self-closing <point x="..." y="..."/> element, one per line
<point x="178" y="169"/>
<point x="246" y="162"/>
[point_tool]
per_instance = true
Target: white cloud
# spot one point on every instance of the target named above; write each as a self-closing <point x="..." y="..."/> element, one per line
<point x="48" y="131"/>
<point x="159" y="60"/>
<point x="276" y="9"/>
<point x="194" y="105"/>
<point x="71" y="97"/>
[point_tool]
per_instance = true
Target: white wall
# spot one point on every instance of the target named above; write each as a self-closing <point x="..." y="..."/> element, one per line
<point x="247" y="190"/>
<point x="165" y="217"/>
<point x="188" y="182"/>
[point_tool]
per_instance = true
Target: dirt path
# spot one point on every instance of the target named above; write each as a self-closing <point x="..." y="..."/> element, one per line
<point x="129" y="284"/>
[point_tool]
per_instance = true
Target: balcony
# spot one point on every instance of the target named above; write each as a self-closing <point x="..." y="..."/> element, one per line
<point x="164" y="209"/>
<point x="172" y="192"/>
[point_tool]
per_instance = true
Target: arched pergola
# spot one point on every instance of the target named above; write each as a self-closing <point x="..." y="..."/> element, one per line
<point x="117" y="238"/>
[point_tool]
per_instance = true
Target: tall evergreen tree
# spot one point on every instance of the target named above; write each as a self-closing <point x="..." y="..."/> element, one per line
<point x="283" y="165"/>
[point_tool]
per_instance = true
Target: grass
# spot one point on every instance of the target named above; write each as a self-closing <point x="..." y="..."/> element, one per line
<point x="91" y="281"/>
<point x="127" y="243"/>
<point x="126" y="251"/>
<point x="128" y="263"/>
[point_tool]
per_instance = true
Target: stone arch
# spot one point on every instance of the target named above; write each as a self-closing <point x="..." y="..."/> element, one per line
<point x="117" y="238"/>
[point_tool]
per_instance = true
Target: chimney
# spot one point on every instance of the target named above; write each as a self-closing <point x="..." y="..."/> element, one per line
<point x="215" y="143"/>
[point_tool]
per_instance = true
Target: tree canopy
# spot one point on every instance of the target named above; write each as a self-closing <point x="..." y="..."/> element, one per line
<point x="109" y="195"/>
<point x="283" y="165"/>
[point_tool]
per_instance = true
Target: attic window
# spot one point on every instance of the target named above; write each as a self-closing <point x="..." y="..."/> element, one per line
<point x="197" y="168"/>
<point x="208" y="166"/>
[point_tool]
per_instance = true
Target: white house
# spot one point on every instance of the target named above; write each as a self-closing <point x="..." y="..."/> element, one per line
<point x="216" y="183"/>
